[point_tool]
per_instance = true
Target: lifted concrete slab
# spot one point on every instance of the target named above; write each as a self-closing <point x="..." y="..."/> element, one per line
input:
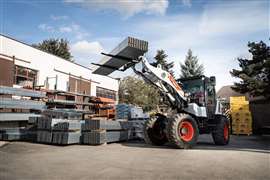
<point x="130" y="47"/>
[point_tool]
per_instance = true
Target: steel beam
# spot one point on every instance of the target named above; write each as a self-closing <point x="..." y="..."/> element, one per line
<point x="21" y="104"/>
<point x="21" y="92"/>
<point x="17" y="116"/>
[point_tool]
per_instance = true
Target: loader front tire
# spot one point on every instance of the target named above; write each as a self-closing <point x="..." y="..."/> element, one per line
<point x="154" y="131"/>
<point x="221" y="135"/>
<point x="182" y="131"/>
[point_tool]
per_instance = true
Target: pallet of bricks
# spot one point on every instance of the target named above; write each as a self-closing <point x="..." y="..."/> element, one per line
<point x="98" y="131"/>
<point x="18" y="107"/>
<point x="241" y="116"/>
<point x="60" y="127"/>
<point x="135" y="116"/>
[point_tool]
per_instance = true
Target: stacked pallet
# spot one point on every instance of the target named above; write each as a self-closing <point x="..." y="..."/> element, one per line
<point x="241" y="116"/>
<point x="135" y="116"/>
<point x="122" y="111"/>
<point x="59" y="126"/>
<point x="131" y="112"/>
<point x="58" y="131"/>
<point x="17" y="105"/>
<point x="63" y="113"/>
<point x="99" y="131"/>
<point x="137" y="128"/>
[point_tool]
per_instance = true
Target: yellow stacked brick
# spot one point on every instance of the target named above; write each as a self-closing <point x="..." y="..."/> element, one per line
<point x="241" y="116"/>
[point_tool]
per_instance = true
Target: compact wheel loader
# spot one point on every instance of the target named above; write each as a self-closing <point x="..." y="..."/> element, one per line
<point x="194" y="108"/>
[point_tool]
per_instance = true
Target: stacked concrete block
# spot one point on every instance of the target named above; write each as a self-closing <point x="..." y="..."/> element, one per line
<point x="96" y="132"/>
<point x="122" y="111"/>
<point x="58" y="131"/>
<point x="12" y="134"/>
<point x="44" y="136"/>
<point x="66" y="137"/>
<point x="136" y="113"/>
<point x="131" y="112"/>
<point x="63" y="114"/>
<point x="17" y="106"/>
<point x="94" y="137"/>
<point x="137" y="128"/>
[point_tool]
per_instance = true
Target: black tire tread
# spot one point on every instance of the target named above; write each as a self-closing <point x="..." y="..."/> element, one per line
<point x="172" y="128"/>
<point x="151" y="140"/>
<point x="218" y="134"/>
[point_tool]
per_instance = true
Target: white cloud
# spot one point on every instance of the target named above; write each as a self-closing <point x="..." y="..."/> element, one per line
<point x="65" y="29"/>
<point x="56" y="18"/>
<point x="126" y="8"/>
<point x="46" y="27"/>
<point x="216" y="49"/>
<point x="73" y="28"/>
<point x="187" y="3"/>
<point x="234" y="17"/>
<point x="86" y="52"/>
<point x="86" y="47"/>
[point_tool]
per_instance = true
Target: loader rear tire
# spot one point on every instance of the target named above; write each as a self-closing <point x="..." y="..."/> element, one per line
<point x="154" y="131"/>
<point x="221" y="135"/>
<point x="182" y="131"/>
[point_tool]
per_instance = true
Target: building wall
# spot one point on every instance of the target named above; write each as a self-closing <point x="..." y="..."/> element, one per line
<point x="49" y="65"/>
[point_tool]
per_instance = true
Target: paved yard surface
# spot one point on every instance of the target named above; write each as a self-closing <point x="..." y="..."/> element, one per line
<point x="247" y="157"/>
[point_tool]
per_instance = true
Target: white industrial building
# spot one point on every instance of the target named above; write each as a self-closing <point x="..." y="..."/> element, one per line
<point x="49" y="71"/>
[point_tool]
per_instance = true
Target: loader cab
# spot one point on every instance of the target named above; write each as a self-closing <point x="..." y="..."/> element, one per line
<point x="200" y="90"/>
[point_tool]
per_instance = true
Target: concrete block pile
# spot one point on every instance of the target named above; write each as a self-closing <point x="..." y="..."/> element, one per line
<point x="58" y="131"/>
<point x="17" y="105"/>
<point x="96" y="131"/>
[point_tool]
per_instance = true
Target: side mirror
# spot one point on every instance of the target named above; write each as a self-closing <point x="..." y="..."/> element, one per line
<point x="213" y="80"/>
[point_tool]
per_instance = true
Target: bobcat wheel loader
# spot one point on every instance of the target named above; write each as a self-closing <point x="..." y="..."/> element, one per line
<point x="194" y="107"/>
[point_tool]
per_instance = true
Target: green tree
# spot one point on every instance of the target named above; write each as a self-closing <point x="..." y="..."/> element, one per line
<point x="161" y="58"/>
<point x="255" y="72"/>
<point x="133" y="90"/>
<point x="191" y="66"/>
<point x="58" y="47"/>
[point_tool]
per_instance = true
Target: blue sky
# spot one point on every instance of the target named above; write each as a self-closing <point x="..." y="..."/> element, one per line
<point x="216" y="30"/>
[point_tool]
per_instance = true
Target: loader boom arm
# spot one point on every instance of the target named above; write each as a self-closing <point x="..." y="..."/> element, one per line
<point x="164" y="81"/>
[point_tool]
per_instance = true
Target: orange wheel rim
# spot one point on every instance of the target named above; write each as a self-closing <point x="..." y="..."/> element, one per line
<point x="186" y="131"/>
<point x="226" y="132"/>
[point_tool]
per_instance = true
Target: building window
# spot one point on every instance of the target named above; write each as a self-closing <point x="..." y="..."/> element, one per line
<point x="106" y="93"/>
<point x="25" y="77"/>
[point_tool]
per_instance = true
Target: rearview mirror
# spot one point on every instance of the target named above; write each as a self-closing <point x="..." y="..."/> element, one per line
<point x="213" y="80"/>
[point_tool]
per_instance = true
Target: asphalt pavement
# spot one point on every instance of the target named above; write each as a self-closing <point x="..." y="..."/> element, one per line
<point x="246" y="157"/>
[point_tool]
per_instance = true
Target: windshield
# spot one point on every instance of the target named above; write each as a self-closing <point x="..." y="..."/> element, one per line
<point x="193" y="86"/>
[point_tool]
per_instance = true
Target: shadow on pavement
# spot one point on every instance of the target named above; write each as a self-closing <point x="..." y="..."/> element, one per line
<point x="259" y="144"/>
